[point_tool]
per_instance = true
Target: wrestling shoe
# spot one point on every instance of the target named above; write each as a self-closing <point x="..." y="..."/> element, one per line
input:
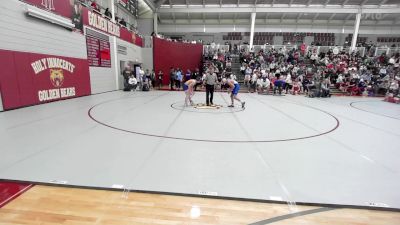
<point x="243" y="103"/>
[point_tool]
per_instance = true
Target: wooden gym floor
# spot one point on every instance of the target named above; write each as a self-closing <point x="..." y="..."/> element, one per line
<point x="49" y="205"/>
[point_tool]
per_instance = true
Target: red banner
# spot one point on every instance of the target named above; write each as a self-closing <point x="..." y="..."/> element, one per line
<point x="131" y="37"/>
<point x="30" y="79"/>
<point x="97" y="21"/>
<point x="81" y="15"/>
<point x="62" y="7"/>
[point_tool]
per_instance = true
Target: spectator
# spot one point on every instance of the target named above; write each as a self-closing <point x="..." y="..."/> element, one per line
<point x="95" y="7"/>
<point x="172" y="78"/>
<point x="263" y="83"/>
<point x="122" y="22"/>
<point x="325" y="92"/>
<point x="278" y="85"/>
<point x="132" y="83"/>
<point x="160" y="79"/>
<point x="126" y="73"/>
<point x="147" y="76"/>
<point x="233" y="76"/>
<point x="152" y="79"/>
<point x="77" y="15"/>
<point x="288" y="82"/>
<point x="296" y="87"/>
<point x="247" y="77"/>
<point x="145" y="83"/>
<point x="179" y="77"/>
<point x="253" y="81"/>
<point x="107" y="13"/>
<point x="140" y="76"/>
<point x="188" y="75"/>
<point x="197" y="76"/>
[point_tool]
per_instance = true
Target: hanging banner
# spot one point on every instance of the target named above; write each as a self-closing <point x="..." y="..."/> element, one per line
<point x="80" y="15"/>
<point x="62" y="8"/>
<point x="100" y="23"/>
<point x="71" y="9"/>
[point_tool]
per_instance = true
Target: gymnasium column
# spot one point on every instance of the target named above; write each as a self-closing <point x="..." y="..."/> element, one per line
<point x="112" y="6"/>
<point x="356" y="29"/>
<point x="155" y="23"/>
<point x="253" y="20"/>
<point x="113" y="42"/>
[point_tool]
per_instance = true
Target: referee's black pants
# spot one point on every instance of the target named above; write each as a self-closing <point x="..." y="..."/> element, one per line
<point x="209" y="94"/>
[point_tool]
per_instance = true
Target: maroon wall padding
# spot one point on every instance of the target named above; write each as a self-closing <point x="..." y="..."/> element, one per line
<point x="167" y="54"/>
<point x="20" y="86"/>
<point x="27" y="93"/>
<point x="8" y="81"/>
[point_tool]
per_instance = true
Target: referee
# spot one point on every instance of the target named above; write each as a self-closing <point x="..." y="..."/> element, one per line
<point x="210" y="80"/>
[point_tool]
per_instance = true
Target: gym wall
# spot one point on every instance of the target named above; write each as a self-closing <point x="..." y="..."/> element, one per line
<point x="28" y="47"/>
<point x="168" y="54"/>
<point x="26" y="34"/>
<point x="147" y="56"/>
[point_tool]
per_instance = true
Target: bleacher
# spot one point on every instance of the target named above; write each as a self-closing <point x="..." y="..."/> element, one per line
<point x="261" y="38"/>
<point x="323" y="39"/>
<point x="349" y="38"/>
<point x="233" y="36"/>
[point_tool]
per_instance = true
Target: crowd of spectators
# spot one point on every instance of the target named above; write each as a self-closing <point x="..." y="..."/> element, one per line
<point x="218" y="61"/>
<point x="296" y="71"/>
<point x="177" y="77"/>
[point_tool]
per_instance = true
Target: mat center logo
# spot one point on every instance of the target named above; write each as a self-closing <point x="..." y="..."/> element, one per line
<point x="57" y="77"/>
<point x="48" y="4"/>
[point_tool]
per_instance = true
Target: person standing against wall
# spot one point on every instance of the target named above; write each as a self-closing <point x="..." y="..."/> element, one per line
<point x="126" y="74"/>
<point x="153" y="79"/>
<point x="172" y="75"/>
<point x="210" y="81"/>
<point x="188" y="75"/>
<point x="139" y="77"/>
<point x="197" y="76"/>
<point x="179" y="77"/>
<point x="160" y="79"/>
<point x="147" y="74"/>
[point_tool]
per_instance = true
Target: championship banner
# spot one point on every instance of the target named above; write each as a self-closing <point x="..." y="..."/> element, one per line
<point x="30" y="79"/>
<point x="97" y="21"/>
<point x="98" y="49"/>
<point x="62" y="8"/>
<point x="71" y="9"/>
<point x="81" y="15"/>
<point x="100" y="23"/>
